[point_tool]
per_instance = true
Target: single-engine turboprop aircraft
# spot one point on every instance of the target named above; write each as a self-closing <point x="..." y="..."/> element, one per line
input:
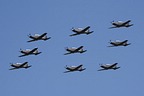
<point x="29" y="52"/>
<point x="37" y="37"/>
<point x="108" y="66"/>
<point x="20" y="65"/>
<point x="119" y="43"/>
<point x="74" y="68"/>
<point x="119" y="24"/>
<point x="75" y="50"/>
<point x="79" y="31"/>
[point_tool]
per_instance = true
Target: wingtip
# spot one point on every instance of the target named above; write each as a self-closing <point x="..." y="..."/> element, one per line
<point x="36" y="48"/>
<point x="26" y="62"/>
<point x="88" y="26"/>
<point x="116" y="63"/>
<point x="82" y="46"/>
<point x="29" y="41"/>
<point x="71" y="35"/>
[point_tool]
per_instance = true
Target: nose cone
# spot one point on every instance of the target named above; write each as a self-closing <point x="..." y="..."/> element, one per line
<point x="73" y="30"/>
<point x="113" y="23"/>
<point x="21" y="51"/>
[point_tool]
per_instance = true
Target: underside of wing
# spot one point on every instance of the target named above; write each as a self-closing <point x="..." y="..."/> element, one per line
<point x="102" y="69"/>
<point x="73" y="34"/>
<point x="111" y="46"/>
<point x="67" y="53"/>
<point x="32" y="40"/>
<point x="113" y="27"/>
<point x="67" y="71"/>
<point x="13" y="68"/>
<point x="22" y="55"/>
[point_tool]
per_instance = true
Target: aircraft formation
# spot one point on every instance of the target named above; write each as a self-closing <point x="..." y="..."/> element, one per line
<point x="73" y="50"/>
<point x="28" y="52"/>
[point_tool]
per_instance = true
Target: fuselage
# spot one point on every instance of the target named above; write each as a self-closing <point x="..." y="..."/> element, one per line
<point x="26" y="52"/>
<point x="37" y="37"/>
<point x="80" y="30"/>
<point x="72" y="50"/>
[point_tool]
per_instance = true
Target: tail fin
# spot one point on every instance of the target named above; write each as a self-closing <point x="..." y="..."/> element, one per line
<point x="89" y="32"/>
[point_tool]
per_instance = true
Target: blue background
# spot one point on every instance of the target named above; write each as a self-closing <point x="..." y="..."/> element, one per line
<point x="18" y="18"/>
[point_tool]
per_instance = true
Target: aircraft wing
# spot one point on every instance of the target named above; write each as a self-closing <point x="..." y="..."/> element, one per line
<point x="126" y="22"/>
<point x="125" y="41"/>
<point x="121" y="43"/>
<point x="113" y="27"/>
<point x="82" y="69"/>
<point x="113" y="65"/>
<point x="31" y="40"/>
<point x="33" y="50"/>
<point x="67" y="53"/>
<point x="23" y="64"/>
<point x="13" y="68"/>
<point x="85" y="29"/>
<point x="78" y="67"/>
<point x="67" y="71"/>
<point x="22" y="55"/>
<point x="111" y="46"/>
<point x="79" y="48"/>
<point x="73" y="34"/>
<point x="102" y="69"/>
<point x="42" y="35"/>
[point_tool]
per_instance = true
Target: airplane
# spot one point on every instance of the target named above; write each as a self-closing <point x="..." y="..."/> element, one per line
<point x="119" y="43"/>
<point x="74" y="68"/>
<point x="29" y="52"/>
<point x="119" y="24"/>
<point x="20" y="65"/>
<point x="37" y="37"/>
<point x="75" y="50"/>
<point x="79" y="31"/>
<point x="109" y="66"/>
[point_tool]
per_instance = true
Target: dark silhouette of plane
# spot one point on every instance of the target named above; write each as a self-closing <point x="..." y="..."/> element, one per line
<point x="20" y="65"/>
<point x="29" y="52"/>
<point x="119" y="24"/>
<point x="75" y="50"/>
<point x="74" y="68"/>
<point x="119" y="43"/>
<point x="79" y="31"/>
<point x="37" y="37"/>
<point x="109" y="66"/>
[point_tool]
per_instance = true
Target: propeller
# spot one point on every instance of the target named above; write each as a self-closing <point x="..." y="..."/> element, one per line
<point x="72" y="28"/>
<point x="29" y="35"/>
<point x="112" y="21"/>
<point x="110" y="41"/>
<point x="20" y="50"/>
<point x="66" y="66"/>
<point x="11" y="63"/>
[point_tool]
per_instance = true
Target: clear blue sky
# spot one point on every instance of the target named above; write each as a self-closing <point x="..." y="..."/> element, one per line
<point x="19" y="18"/>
